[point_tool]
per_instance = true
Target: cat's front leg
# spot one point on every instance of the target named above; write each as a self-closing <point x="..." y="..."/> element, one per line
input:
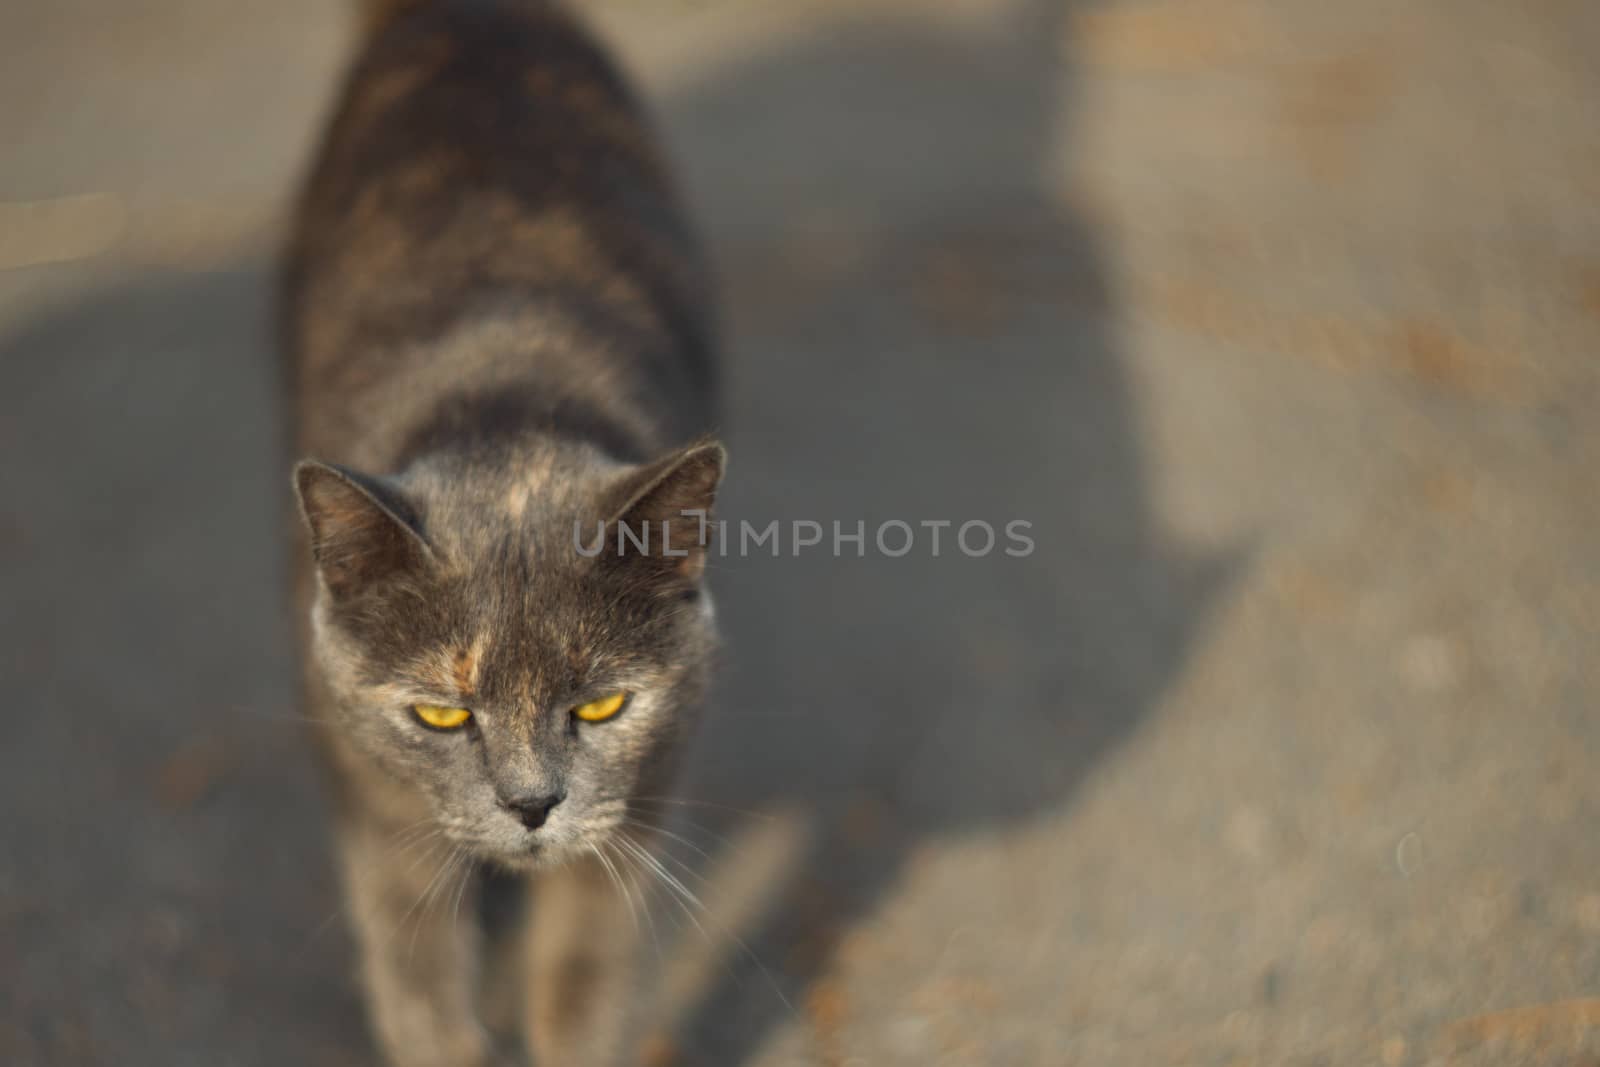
<point x="581" y="953"/>
<point x="418" y="948"/>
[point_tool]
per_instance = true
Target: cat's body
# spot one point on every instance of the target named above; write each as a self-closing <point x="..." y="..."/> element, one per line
<point x="497" y="328"/>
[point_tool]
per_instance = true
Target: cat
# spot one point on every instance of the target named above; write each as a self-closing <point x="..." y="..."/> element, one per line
<point x="500" y="335"/>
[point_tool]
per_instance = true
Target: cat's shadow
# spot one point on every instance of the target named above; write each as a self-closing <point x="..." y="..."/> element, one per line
<point x="921" y="330"/>
<point x="166" y="890"/>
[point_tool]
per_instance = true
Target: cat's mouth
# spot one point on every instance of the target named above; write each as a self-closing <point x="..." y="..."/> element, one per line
<point x="537" y="853"/>
<point x="528" y="851"/>
<point x="528" y="859"/>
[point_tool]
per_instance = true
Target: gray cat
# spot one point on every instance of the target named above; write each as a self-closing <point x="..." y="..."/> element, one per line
<point x="499" y="336"/>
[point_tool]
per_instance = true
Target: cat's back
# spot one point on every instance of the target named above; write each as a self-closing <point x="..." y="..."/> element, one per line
<point x="489" y="216"/>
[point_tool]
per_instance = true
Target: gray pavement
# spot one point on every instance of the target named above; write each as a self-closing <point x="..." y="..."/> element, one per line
<point x="1280" y="323"/>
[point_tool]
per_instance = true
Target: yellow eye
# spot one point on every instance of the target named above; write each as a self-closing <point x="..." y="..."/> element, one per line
<point x="602" y="709"/>
<point x="442" y="718"/>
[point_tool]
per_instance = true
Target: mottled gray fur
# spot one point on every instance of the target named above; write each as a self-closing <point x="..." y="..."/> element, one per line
<point x="498" y="330"/>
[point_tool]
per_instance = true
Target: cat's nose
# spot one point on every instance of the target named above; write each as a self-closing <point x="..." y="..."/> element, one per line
<point x="533" y="809"/>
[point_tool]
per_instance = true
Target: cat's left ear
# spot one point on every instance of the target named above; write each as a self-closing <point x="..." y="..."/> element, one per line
<point x="363" y="532"/>
<point x="665" y="507"/>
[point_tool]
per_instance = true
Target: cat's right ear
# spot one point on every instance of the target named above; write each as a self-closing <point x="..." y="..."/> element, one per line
<point x="362" y="531"/>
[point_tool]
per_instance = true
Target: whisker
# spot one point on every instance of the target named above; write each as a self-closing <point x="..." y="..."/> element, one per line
<point x="408" y="838"/>
<point x="689" y="803"/>
<point x="412" y="836"/>
<point x="461" y="891"/>
<point x="320" y="929"/>
<point x="679" y="819"/>
<point x="685" y="867"/>
<point x="616" y="880"/>
<point x="683" y="895"/>
<point x="459" y="863"/>
<point x="649" y="883"/>
<point x="433" y="843"/>
<point x="400" y="924"/>
<point x="680" y="890"/>
<point x="280" y="717"/>
<point x="664" y="832"/>
<point x="401" y="851"/>
<point x="427" y="892"/>
<point x="411" y="826"/>
<point x="649" y="918"/>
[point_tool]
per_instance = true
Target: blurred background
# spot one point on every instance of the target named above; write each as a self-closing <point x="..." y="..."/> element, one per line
<point x="1279" y="321"/>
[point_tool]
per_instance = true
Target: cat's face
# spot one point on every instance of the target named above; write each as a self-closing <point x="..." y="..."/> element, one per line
<point x="526" y="690"/>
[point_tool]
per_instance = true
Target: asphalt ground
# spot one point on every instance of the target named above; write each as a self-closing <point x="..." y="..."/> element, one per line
<point x="1277" y="322"/>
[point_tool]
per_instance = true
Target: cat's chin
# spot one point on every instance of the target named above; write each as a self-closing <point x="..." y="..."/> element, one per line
<point x="534" y="858"/>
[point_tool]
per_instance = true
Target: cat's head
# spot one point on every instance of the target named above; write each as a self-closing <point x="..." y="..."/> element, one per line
<point x="492" y="640"/>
